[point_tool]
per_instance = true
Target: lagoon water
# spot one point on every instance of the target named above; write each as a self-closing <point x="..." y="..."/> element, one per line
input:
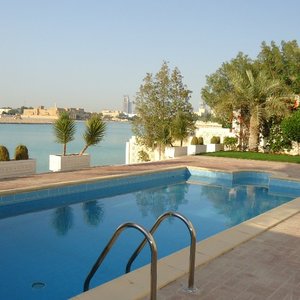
<point x="40" y="141"/>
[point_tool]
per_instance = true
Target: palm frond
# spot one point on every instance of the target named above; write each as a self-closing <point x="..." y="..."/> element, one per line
<point x="94" y="132"/>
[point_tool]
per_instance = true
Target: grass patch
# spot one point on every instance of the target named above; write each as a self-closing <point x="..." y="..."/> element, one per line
<point x="255" y="156"/>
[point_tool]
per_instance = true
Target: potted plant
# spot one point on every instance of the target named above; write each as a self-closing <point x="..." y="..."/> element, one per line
<point x="215" y="145"/>
<point x="196" y="146"/>
<point x="64" y="130"/>
<point x="21" y="165"/>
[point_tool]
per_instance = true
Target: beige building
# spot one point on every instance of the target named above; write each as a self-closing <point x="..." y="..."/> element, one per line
<point x="42" y="112"/>
<point x="53" y="113"/>
<point x="110" y="113"/>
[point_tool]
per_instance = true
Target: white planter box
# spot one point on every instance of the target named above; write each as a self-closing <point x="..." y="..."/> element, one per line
<point x="196" y="149"/>
<point x="172" y="152"/>
<point x="17" y="168"/>
<point x="69" y="162"/>
<point x="214" y="147"/>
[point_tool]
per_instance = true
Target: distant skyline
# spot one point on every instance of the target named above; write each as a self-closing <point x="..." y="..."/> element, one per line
<point x="90" y="53"/>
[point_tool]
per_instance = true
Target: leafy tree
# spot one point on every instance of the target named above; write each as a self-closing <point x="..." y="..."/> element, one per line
<point x="183" y="125"/>
<point x="94" y="132"/>
<point x="162" y="98"/>
<point x="243" y="85"/>
<point x="64" y="130"/>
<point x="291" y="128"/>
<point x="282" y="63"/>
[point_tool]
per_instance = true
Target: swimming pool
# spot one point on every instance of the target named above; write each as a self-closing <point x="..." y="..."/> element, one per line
<point x="49" y="245"/>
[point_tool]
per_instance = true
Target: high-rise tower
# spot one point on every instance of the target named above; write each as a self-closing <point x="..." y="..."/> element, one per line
<point x="127" y="105"/>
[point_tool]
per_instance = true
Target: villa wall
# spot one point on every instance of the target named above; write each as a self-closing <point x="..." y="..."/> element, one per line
<point x="205" y="129"/>
<point x="132" y="152"/>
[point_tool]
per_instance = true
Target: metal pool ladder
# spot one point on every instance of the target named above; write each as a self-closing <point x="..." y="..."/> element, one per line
<point x="148" y="237"/>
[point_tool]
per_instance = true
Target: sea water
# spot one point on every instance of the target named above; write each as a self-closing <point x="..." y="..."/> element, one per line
<point x="40" y="141"/>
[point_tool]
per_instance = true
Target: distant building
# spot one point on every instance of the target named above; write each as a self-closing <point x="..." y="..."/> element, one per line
<point x="4" y="110"/>
<point x="53" y="113"/>
<point x="203" y="109"/>
<point x="42" y="112"/>
<point x="127" y="105"/>
<point x="78" y="113"/>
<point x="106" y="113"/>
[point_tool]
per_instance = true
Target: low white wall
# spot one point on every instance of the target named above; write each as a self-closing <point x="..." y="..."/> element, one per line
<point x="132" y="152"/>
<point x="205" y="130"/>
<point x="208" y="130"/>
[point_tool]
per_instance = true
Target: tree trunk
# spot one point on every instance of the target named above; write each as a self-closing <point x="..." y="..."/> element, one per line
<point x="159" y="152"/>
<point x="83" y="150"/>
<point x="254" y="132"/>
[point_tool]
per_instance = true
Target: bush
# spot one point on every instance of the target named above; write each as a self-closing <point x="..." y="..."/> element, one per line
<point x="21" y="152"/>
<point x="291" y="128"/>
<point x="143" y="156"/>
<point x="194" y="141"/>
<point x="230" y="142"/>
<point x="200" y="140"/>
<point x="4" y="154"/>
<point x="277" y="142"/>
<point x="215" y="140"/>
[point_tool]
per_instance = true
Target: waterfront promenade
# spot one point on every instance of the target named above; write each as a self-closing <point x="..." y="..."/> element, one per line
<point x="266" y="266"/>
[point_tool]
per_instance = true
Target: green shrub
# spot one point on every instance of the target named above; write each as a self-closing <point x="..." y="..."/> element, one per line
<point x="215" y="140"/>
<point x="200" y="140"/>
<point x="194" y="141"/>
<point x="4" y="154"/>
<point x="143" y="156"/>
<point x="21" y="152"/>
<point x="230" y="143"/>
<point x="277" y="142"/>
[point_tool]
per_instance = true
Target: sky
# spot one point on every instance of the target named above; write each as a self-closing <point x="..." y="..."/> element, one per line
<point x="90" y="53"/>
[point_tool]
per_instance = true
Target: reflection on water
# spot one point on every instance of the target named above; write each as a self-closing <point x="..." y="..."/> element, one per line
<point x="62" y="219"/>
<point x="156" y="202"/>
<point x="241" y="203"/>
<point x="93" y="212"/>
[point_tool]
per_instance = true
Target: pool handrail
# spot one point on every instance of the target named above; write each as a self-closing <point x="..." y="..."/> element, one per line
<point x="192" y="231"/>
<point x="153" y="248"/>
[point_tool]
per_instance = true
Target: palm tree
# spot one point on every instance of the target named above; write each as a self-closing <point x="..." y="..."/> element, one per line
<point x="94" y="132"/>
<point x="64" y="130"/>
<point x="262" y="96"/>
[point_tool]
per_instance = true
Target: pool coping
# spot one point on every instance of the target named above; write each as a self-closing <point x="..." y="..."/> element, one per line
<point x="136" y="284"/>
<point x="89" y="180"/>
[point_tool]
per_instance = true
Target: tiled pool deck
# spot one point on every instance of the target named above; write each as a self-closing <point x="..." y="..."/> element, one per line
<point x="259" y="259"/>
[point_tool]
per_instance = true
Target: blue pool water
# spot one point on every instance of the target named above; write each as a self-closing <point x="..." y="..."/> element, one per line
<point x="49" y="245"/>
